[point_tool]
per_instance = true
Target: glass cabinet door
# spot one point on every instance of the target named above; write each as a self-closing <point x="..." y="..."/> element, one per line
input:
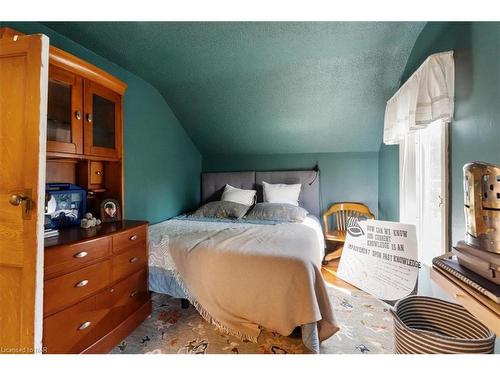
<point x="102" y="121"/>
<point x="64" y="114"/>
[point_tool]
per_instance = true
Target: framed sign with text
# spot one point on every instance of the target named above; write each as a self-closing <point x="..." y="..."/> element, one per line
<point x="380" y="257"/>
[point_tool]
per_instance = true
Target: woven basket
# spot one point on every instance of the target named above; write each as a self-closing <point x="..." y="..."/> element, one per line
<point x="425" y="325"/>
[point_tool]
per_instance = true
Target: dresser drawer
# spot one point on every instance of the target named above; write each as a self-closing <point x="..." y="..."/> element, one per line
<point x="130" y="238"/>
<point x="129" y="295"/>
<point x="96" y="173"/>
<point x="76" y="328"/>
<point x="64" y="259"/>
<point x="70" y="288"/>
<point x="129" y="262"/>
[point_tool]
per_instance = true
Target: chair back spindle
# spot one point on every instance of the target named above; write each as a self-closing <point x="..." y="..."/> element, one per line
<point x="345" y="215"/>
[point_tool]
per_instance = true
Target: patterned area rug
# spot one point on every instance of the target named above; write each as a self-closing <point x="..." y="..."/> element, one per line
<point x="365" y="323"/>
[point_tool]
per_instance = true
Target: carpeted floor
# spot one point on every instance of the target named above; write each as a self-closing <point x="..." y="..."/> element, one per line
<point x="366" y="326"/>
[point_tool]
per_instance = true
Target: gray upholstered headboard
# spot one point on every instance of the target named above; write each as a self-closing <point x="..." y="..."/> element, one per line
<point x="213" y="183"/>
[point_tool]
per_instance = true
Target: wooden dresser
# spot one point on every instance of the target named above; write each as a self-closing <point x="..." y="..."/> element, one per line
<point x="95" y="280"/>
<point x="96" y="287"/>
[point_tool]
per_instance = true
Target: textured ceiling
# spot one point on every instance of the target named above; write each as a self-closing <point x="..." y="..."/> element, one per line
<point x="265" y="87"/>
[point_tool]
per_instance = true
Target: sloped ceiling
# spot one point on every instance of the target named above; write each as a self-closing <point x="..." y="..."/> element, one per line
<point x="265" y="87"/>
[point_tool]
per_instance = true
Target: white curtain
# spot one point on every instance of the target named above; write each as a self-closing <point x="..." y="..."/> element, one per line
<point x="427" y="96"/>
<point x="416" y="118"/>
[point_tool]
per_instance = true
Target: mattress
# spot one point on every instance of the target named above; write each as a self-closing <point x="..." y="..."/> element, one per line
<point x="161" y="266"/>
<point x="163" y="276"/>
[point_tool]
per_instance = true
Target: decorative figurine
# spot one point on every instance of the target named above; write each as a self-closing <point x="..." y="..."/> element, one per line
<point x="89" y="221"/>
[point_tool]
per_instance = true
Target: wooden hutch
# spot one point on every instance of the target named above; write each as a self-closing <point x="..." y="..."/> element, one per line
<point x="95" y="280"/>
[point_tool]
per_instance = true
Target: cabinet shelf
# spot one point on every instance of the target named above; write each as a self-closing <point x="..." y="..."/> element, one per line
<point x="53" y="155"/>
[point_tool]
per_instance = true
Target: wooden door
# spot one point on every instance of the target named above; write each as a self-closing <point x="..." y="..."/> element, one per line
<point x="64" y="112"/>
<point x="102" y="122"/>
<point x="23" y="103"/>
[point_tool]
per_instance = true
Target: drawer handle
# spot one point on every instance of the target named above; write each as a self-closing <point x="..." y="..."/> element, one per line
<point x="81" y="284"/>
<point x="133" y="294"/>
<point x="133" y="237"/>
<point x="81" y="254"/>
<point x="84" y="325"/>
<point x="133" y="260"/>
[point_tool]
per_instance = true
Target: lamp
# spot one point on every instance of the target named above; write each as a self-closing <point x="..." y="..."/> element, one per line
<point x="316" y="169"/>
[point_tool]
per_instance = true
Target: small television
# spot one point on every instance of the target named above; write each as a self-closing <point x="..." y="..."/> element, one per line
<point x="65" y="205"/>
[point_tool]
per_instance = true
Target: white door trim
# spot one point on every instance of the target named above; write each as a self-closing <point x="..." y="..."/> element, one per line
<point x="406" y="208"/>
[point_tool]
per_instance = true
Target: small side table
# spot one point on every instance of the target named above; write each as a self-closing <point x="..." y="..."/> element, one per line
<point x="483" y="308"/>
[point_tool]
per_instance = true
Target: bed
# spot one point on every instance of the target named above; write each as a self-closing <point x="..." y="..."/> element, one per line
<point x="243" y="275"/>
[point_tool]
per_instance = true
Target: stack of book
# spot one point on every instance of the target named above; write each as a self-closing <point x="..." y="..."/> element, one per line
<point x="448" y="265"/>
<point x="50" y="233"/>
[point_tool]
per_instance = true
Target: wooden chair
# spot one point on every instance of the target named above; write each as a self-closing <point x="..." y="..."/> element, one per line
<point x="342" y="212"/>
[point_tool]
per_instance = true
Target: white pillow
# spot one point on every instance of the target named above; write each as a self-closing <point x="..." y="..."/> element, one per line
<point x="281" y="193"/>
<point x="232" y="194"/>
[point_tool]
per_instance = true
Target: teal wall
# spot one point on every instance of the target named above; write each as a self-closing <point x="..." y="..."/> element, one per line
<point x="162" y="165"/>
<point x="345" y="176"/>
<point x="264" y="87"/>
<point x="475" y="129"/>
<point x="388" y="183"/>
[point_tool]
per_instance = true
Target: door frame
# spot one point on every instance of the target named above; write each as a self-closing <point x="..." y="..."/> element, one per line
<point x="445" y="159"/>
<point x="42" y="156"/>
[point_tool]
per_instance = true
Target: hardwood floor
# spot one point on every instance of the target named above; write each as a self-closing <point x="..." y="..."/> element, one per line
<point x="330" y="275"/>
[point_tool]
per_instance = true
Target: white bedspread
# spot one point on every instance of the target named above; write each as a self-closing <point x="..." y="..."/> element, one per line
<point x="159" y="256"/>
<point x="225" y="267"/>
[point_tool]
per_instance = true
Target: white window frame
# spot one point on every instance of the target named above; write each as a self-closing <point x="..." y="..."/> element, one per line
<point x="416" y="217"/>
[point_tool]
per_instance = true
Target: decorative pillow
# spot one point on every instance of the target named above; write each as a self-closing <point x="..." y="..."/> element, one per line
<point x="232" y="194"/>
<point x="281" y="193"/>
<point x="277" y="212"/>
<point x="222" y="210"/>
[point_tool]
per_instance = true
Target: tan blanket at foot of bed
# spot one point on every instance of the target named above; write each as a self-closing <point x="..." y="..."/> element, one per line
<point x="242" y="279"/>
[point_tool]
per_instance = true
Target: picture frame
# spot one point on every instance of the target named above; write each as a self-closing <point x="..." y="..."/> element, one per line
<point x="110" y="210"/>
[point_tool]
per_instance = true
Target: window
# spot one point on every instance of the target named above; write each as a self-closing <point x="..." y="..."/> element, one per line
<point x="423" y="164"/>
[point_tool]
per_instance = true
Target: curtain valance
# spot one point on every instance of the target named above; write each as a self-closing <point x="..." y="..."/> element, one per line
<point x="428" y="95"/>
